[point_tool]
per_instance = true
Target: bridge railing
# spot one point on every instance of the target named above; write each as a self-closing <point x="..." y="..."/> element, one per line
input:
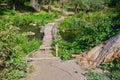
<point x="54" y="31"/>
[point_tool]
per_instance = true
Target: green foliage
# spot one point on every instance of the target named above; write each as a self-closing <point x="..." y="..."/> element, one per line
<point x="87" y="30"/>
<point x="14" y="75"/>
<point x="78" y="34"/>
<point x="64" y="49"/>
<point x="13" y="48"/>
<point x="95" y="76"/>
<point x="31" y="45"/>
<point x="76" y="2"/>
<point x="21" y="20"/>
<point x="89" y="5"/>
<point x="112" y="3"/>
<point x="94" y="4"/>
<point x="114" y="68"/>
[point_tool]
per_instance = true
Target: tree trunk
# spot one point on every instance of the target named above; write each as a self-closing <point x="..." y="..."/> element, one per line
<point x="76" y="8"/>
<point x="49" y="5"/>
<point x="41" y="2"/>
<point x="13" y="6"/>
<point x="62" y="7"/>
<point x="35" y="4"/>
<point x="104" y="52"/>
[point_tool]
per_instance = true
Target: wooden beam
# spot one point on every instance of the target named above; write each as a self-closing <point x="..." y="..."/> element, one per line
<point x="43" y="58"/>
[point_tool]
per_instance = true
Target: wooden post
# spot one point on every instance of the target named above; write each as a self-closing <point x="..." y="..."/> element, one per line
<point x="56" y="49"/>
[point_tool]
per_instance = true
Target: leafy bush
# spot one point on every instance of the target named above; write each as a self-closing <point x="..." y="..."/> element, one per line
<point x="94" y="5"/>
<point x="13" y="48"/>
<point x="23" y="19"/>
<point x="64" y="49"/>
<point x="113" y="68"/>
<point x="86" y="30"/>
<point x="96" y="76"/>
<point x="89" y="5"/>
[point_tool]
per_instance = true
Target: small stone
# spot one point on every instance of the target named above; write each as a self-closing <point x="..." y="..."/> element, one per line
<point x="75" y="71"/>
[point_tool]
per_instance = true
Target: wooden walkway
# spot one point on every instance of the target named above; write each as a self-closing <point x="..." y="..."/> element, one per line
<point x="48" y="38"/>
<point x="44" y="52"/>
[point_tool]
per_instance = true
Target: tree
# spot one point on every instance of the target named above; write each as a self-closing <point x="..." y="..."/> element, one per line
<point x="76" y="3"/>
<point x="63" y="3"/>
<point x="36" y="4"/>
<point x="94" y="5"/>
<point x="48" y="2"/>
<point x="88" y="5"/>
<point x="16" y="3"/>
<point x="105" y="52"/>
<point x="49" y="5"/>
<point x="2" y="2"/>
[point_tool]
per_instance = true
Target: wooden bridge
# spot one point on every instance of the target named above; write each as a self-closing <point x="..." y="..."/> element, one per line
<point x="49" y="32"/>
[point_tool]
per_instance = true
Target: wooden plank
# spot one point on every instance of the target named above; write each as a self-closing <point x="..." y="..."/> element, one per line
<point x="45" y="48"/>
<point x="43" y="58"/>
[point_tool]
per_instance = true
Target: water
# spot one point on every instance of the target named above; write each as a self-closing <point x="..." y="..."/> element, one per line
<point x="33" y="29"/>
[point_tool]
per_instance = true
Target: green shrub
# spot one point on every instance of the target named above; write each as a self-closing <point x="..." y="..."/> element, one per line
<point x="23" y="19"/>
<point x="14" y="75"/>
<point x="13" y="49"/>
<point x="95" y="76"/>
<point x="86" y="30"/>
<point x="31" y="45"/>
<point x="94" y="5"/>
<point x="89" y="5"/>
<point x="113" y="68"/>
<point x="64" y="49"/>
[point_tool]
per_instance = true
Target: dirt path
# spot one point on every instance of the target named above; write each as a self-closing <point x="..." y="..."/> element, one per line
<point x="52" y="68"/>
<point x="56" y="70"/>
